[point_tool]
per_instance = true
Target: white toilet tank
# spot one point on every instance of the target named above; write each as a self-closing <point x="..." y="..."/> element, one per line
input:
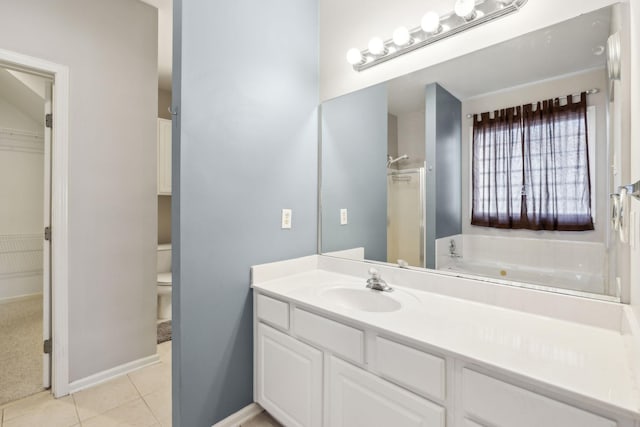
<point x="164" y="258"/>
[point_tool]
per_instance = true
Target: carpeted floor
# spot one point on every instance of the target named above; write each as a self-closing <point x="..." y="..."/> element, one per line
<point x="164" y="331"/>
<point x="20" y="349"/>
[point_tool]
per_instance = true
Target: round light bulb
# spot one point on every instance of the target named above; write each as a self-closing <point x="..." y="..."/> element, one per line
<point x="465" y="9"/>
<point x="430" y="23"/>
<point x="376" y="46"/>
<point x="401" y="36"/>
<point x="354" y="56"/>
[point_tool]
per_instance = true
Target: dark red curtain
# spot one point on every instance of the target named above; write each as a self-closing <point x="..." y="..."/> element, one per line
<point x="531" y="167"/>
<point x="497" y="169"/>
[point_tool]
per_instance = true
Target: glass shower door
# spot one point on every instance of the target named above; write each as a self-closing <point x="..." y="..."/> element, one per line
<point x="405" y="216"/>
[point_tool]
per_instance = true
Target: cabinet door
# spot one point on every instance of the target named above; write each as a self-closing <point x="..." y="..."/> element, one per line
<point x="289" y="378"/>
<point x="164" y="156"/>
<point x="360" y="399"/>
<point x="504" y="405"/>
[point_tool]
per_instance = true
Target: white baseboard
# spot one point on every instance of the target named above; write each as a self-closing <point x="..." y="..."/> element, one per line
<point x="19" y="284"/>
<point x="109" y="374"/>
<point x="20" y="298"/>
<point x="242" y="416"/>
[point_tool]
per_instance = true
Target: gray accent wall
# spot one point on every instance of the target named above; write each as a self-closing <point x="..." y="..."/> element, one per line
<point x="354" y="174"/>
<point x="247" y="92"/>
<point x="111" y="49"/>
<point x="443" y="174"/>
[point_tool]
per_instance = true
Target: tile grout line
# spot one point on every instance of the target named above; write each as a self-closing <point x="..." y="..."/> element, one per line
<point x="143" y="401"/>
<point x="75" y="406"/>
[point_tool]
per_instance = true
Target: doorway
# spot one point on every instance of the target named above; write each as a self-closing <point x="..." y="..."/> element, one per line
<point x="48" y="249"/>
<point x="25" y="187"/>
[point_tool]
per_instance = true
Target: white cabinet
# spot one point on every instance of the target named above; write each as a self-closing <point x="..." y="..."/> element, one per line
<point x="505" y="405"/>
<point x="340" y="339"/>
<point x="416" y="370"/>
<point x="164" y="157"/>
<point x="289" y="378"/>
<point x="358" y="398"/>
<point x="318" y="370"/>
<point x="272" y="311"/>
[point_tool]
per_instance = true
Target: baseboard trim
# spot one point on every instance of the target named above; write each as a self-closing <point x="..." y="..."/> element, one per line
<point x="8" y="300"/>
<point x="109" y="374"/>
<point x="243" y="415"/>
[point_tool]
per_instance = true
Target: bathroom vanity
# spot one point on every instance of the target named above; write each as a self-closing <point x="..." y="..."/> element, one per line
<point x="436" y="351"/>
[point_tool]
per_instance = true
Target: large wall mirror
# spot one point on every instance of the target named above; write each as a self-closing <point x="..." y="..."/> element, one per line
<point x="467" y="168"/>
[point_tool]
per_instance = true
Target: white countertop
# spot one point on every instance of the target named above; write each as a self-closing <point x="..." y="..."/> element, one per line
<point x="590" y="362"/>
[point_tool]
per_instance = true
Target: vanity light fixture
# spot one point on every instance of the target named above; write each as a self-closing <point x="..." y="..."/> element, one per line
<point x="401" y="37"/>
<point x="466" y="9"/>
<point x="431" y="23"/>
<point x="433" y="27"/>
<point x="377" y="47"/>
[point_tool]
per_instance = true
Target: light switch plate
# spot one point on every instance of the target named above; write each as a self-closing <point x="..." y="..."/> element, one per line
<point x="343" y="217"/>
<point x="286" y="219"/>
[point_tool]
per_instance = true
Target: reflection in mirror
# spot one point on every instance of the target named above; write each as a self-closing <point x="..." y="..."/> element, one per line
<point x="436" y="170"/>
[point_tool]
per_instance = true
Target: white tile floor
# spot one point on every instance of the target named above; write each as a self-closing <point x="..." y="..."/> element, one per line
<point x="141" y="398"/>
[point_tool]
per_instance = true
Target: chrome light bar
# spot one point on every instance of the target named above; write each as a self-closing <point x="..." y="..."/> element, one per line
<point x="450" y="24"/>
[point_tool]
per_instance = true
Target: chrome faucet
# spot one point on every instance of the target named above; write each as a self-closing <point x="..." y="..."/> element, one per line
<point x="376" y="283"/>
<point x="452" y="249"/>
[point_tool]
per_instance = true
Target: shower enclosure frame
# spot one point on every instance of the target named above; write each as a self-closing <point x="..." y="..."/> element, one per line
<point x="423" y="237"/>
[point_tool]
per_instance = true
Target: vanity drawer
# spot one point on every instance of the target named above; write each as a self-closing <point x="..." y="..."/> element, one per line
<point x="359" y="398"/>
<point x="505" y="405"/>
<point x="273" y="311"/>
<point x="414" y="369"/>
<point x="340" y="339"/>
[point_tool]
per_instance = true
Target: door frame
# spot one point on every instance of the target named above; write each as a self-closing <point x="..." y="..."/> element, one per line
<point x="59" y="210"/>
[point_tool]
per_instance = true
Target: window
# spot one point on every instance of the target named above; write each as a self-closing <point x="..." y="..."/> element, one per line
<point x="531" y="167"/>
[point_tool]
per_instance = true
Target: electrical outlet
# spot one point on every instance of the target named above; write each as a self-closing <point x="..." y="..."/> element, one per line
<point x="343" y="217"/>
<point x="286" y="219"/>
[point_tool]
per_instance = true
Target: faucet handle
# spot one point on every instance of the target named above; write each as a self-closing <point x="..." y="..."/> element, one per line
<point x="374" y="273"/>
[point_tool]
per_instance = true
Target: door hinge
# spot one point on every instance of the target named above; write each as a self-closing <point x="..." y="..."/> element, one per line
<point x="47" y="233"/>
<point x="46" y="348"/>
<point x="48" y="120"/>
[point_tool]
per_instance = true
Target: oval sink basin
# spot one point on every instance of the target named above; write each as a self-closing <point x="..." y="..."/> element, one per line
<point x="361" y="299"/>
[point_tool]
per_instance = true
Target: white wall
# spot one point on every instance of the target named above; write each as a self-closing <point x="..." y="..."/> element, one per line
<point x="411" y="139"/>
<point x="164" y="202"/>
<point x="110" y="48"/>
<point x="392" y="137"/>
<point x="21" y="184"/>
<point x="21" y="209"/>
<point x="164" y="103"/>
<point x="13" y="118"/>
<point x="351" y="24"/>
<point x="527" y="94"/>
<point x="635" y="145"/>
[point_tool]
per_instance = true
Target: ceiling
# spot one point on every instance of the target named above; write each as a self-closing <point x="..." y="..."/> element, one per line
<point x="551" y="52"/>
<point x="165" y="41"/>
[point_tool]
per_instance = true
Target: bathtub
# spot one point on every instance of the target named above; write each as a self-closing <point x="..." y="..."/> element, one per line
<point x="571" y="280"/>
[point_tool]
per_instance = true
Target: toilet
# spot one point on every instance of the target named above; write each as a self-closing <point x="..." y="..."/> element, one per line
<point x="164" y="282"/>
